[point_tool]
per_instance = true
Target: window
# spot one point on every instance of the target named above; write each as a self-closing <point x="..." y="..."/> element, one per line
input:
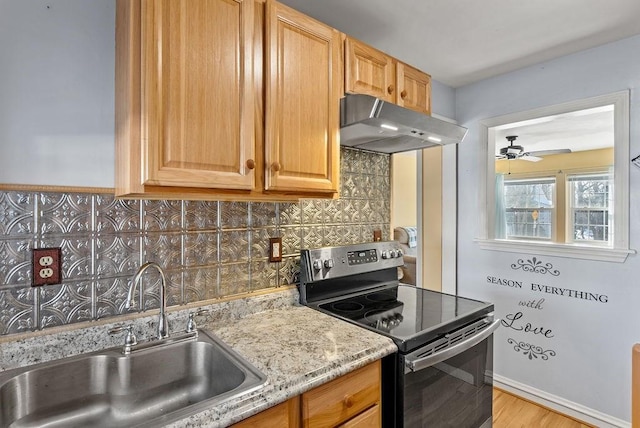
<point x="541" y="197"/>
<point x="591" y="214"/>
<point x="529" y="208"/>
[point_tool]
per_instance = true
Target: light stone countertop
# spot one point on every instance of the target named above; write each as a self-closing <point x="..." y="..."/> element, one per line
<point x="296" y="347"/>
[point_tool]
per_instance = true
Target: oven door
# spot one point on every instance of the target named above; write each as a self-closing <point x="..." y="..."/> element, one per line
<point x="449" y="383"/>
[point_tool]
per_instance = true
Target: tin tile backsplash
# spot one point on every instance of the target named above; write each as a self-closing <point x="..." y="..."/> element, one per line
<point x="208" y="249"/>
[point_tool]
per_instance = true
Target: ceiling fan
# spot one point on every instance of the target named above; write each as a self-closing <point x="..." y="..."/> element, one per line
<point x="515" y="151"/>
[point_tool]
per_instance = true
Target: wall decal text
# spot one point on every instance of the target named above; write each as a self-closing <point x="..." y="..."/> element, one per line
<point x="533" y="304"/>
<point x="568" y="292"/>
<point x="515" y="322"/>
<point x="504" y="282"/>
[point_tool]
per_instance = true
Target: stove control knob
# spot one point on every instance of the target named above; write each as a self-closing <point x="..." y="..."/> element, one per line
<point x="328" y="263"/>
<point x="386" y="254"/>
<point x="399" y="253"/>
<point x="396" y="253"/>
<point x="317" y="264"/>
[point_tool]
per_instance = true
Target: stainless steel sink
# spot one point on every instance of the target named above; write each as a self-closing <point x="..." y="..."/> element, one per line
<point x="149" y="387"/>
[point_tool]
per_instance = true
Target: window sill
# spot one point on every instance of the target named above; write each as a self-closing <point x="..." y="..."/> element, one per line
<point x="583" y="252"/>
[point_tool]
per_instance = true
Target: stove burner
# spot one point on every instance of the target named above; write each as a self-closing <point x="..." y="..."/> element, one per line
<point x="347" y="306"/>
<point x="381" y="297"/>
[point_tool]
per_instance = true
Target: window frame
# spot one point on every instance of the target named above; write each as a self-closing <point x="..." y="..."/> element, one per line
<point x="570" y="219"/>
<point x="620" y="249"/>
<point x="553" y="210"/>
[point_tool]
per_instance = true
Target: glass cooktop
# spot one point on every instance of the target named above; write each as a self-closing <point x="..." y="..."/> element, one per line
<point x="411" y="316"/>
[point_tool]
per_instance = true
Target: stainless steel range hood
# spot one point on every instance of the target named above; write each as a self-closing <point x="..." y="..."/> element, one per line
<point x="371" y="124"/>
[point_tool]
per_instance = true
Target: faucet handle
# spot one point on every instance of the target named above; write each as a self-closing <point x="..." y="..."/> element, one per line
<point x="130" y="339"/>
<point x="191" y="323"/>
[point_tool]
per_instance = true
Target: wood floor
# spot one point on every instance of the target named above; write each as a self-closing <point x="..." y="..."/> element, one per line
<point x="510" y="411"/>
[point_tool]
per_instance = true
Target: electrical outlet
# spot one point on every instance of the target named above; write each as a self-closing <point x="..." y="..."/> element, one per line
<point x="47" y="266"/>
<point x="275" y="249"/>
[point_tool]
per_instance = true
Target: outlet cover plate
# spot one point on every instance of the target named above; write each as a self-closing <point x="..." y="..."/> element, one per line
<point x="50" y="272"/>
<point x="275" y="249"/>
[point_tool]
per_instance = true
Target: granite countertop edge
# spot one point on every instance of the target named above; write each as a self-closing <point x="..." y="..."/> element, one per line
<point x="309" y="349"/>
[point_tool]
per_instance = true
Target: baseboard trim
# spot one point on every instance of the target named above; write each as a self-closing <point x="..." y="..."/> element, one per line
<point x="558" y="404"/>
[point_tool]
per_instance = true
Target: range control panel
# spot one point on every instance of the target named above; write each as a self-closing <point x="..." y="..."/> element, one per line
<point x="361" y="257"/>
<point x="335" y="262"/>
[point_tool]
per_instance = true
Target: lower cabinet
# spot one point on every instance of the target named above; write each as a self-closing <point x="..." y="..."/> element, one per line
<point x="284" y="415"/>
<point x="350" y="401"/>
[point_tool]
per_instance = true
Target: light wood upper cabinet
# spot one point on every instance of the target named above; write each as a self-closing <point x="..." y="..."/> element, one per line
<point x="369" y="71"/>
<point x="414" y="89"/>
<point x="372" y="72"/>
<point x="200" y="114"/>
<point x="192" y="90"/>
<point x="303" y="89"/>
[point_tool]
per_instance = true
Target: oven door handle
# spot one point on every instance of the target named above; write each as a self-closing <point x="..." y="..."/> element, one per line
<point x="415" y="364"/>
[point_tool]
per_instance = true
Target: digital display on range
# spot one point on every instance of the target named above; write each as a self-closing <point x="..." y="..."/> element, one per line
<point x="361" y="257"/>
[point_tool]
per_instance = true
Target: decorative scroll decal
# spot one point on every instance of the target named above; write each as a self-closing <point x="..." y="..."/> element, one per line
<point x="536" y="266"/>
<point x="531" y="351"/>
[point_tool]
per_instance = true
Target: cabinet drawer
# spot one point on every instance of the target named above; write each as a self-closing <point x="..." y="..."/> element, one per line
<point x="339" y="400"/>
<point x="367" y="419"/>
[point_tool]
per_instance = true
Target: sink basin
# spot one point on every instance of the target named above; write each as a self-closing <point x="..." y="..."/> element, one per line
<point x="149" y="387"/>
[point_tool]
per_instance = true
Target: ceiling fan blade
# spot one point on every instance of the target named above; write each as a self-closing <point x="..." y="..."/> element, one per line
<point x="530" y="158"/>
<point x="547" y="152"/>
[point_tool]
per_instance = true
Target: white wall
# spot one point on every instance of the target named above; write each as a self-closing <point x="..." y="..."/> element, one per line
<point x="592" y="340"/>
<point x="57" y="92"/>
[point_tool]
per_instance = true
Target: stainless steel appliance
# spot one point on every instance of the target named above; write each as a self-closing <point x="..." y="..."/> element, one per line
<point x="442" y="375"/>
<point x="373" y="124"/>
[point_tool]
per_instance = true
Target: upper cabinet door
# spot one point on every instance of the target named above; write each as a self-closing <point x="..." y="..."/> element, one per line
<point x="369" y="71"/>
<point x="303" y="80"/>
<point x="198" y="93"/>
<point x="414" y="89"/>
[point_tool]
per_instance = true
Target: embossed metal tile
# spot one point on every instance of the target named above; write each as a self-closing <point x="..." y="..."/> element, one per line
<point x="16" y="310"/>
<point x="234" y="246"/>
<point x="264" y="274"/>
<point x="116" y="216"/>
<point x="291" y="241"/>
<point x="201" y="284"/>
<point x="289" y="271"/>
<point x="16" y="214"/>
<point x="163" y="248"/>
<point x="200" y="249"/>
<point x="260" y="242"/>
<point x="65" y="304"/>
<point x="289" y="213"/>
<point x="234" y="215"/>
<point x="15" y="261"/>
<point x="208" y="249"/>
<point x="234" y="279"/>
<point x="65" y="213"/>
<point x="162" y="216"/>
<point x="201" y="215"/>
<point x="263" y="214"/>
<point x="312" y="211"/>
<point x="117" y="255"/>
<point x="111" y="294"/>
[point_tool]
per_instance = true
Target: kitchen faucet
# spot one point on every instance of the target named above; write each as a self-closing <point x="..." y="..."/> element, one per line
<point x="163" y="325"/>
